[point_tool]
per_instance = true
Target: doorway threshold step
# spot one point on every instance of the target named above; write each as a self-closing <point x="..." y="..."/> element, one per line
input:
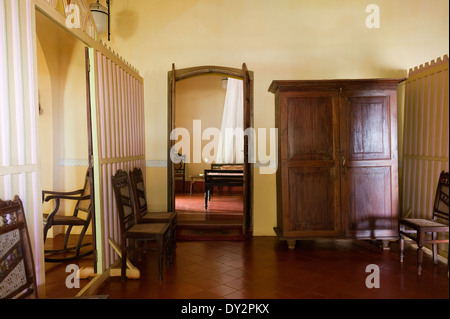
<point x="209" y="224"/>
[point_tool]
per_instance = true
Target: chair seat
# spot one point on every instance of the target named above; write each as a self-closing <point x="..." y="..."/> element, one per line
<point x="414" y="223"/>
<point x="66" y="220"/>
<point x="159" y="217"/>
<point x="148" y="229"/>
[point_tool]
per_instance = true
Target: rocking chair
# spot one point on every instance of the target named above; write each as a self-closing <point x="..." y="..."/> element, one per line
<point x="82" y="198"/>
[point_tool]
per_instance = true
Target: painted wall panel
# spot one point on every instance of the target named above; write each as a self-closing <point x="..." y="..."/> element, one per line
<point x="119" y="126"/>
<point x="19" y="166"/>
<point x="426" y="136"/>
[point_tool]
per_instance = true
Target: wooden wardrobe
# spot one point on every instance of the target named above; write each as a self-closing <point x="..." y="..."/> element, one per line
<point x="338" y="159"/>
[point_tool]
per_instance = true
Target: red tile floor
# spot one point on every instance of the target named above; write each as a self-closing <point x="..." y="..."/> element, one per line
<point x="263" y="268"/>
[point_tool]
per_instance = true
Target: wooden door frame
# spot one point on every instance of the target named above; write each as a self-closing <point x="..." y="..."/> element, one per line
<point x="181" y="74"/>
<point x="91" y="156"/>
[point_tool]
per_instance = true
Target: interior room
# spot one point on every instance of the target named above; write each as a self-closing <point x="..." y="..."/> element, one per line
<point x="199" y="108"/>
<point x="356" y="91"/>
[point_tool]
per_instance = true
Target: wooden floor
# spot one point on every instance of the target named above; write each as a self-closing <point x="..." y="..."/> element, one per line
<point x="223" y="208"/>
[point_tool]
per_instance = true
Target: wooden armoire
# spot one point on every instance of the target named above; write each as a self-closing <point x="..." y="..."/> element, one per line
<point x="338" y="159"/>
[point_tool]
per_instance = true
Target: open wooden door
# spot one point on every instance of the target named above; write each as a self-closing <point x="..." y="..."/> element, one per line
<point x="90" y="153"/>
<point x="248" y="173"/>
<point x="171" y="125"/>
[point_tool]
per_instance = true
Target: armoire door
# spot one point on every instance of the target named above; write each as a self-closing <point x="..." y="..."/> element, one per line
<point x="310" y="164"/>
<point x="369" y="164"/>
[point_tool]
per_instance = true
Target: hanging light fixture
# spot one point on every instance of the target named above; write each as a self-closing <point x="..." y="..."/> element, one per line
<point x="101" y="17"/>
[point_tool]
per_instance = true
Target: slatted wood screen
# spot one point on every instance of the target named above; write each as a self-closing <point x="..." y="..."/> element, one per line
<point x="118" y="119"/>
<point x="426" y="136"/>
<point x="19" y="167"/>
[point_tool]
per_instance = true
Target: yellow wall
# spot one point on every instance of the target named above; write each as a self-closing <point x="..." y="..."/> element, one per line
<point x="286" y="39"/>
<point x="63" y="120"/>
<point x="200" y="98"/>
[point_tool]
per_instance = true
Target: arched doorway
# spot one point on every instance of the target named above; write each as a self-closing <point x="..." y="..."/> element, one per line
<point x="247" y="77"/>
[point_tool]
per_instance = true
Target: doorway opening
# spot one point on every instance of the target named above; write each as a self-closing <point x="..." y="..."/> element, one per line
<point x="196" y="104"/>
<point x="200" y="105"/>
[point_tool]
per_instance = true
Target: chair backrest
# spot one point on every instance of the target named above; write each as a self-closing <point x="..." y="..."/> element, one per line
<point x="17" y="271"/>
<point x="124" y="200"/>
<point x="85" y="204"/>
<point x="179" y="163"/>
<point x="441" y="202"/>
<point x="138" y="190"/>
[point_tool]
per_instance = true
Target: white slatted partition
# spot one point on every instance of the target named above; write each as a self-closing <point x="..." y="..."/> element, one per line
<point x="426" y="136"/>
<point x="119" y="122"/>
<point x="19" y="159"/>
<point x="117" y="106"/>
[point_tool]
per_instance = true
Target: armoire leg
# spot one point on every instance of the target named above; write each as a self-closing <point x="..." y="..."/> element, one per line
<point x="291" y="243"/>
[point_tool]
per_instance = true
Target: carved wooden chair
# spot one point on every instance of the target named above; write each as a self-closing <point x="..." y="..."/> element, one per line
<point x="141" y="209"/>
<point x="425" y="231"/>
<point x="80" y="217"/>
<point x="17" y="271"/>
<point x="159" y="233"/>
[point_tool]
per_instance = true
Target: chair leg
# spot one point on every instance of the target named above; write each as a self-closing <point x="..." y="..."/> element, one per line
<point x="435" y="252"/>
<point x="80" y="240"/>
<point x="66" y="239"/>
<point x="168" y="253"/>
<point x="419" y="260"/>
<point x="123" y="272"/>
<point x="160" y="263"/>
<point x="161" y="250"/>
<point x="46" y="228"/>
<point x="402" y="247"/>
<point x="174" y="239"/>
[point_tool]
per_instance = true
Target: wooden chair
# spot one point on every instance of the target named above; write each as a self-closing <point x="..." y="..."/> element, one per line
<point x="180" y="169"/>
<point x="131" y="231"/>
<point x="424" y="231"/>
<point x="141" y="209"/>
<point x="17" y="270"/>
<point x="82" y="199"/>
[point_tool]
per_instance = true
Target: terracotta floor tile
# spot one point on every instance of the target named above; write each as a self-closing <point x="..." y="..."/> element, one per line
<point x="264" y="268"/>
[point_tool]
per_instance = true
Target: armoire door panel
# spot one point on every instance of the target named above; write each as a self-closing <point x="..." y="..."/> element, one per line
<point x="368" y="128"/>
<point x="310" y="128"/>
<point x="313" y="208"/>
<point x="369" y="195"/>
<point x="369" y="202"/>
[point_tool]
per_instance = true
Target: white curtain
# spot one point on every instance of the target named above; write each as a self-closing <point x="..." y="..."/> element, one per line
<point x="231" y="142"/>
